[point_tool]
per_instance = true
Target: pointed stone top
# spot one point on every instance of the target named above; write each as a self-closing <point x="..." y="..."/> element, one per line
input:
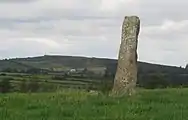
<point x="131" y="24"/>
<point x="134" y="16"/>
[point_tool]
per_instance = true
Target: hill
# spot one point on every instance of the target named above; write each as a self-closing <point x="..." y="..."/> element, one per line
<point x="84" y="71"/>
<point x="62" y="63"/>
<point x="149" y="75"/>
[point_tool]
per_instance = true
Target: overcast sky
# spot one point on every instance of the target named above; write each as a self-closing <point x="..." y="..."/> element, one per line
<point x="93" y="28"/>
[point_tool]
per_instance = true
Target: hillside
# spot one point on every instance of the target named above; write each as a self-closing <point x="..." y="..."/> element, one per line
<point x="62" y="63"/>
<point x="89" y="72"/>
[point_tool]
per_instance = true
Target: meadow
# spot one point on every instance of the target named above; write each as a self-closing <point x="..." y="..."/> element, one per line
<point x="22" y="82"/>
<point x="158" y="104"/>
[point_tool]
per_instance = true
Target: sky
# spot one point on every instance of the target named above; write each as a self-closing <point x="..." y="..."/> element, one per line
<point x="92" y="28"/>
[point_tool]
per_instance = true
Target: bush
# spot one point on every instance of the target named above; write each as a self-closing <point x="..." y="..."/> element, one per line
<point x="153" y="81"/>
<point x="46" y="87"/>
<point x="33" y="86"/>
<point x="8" y="78"/>
<point x="5" y="85"/>
<point x="23" y="86"/>
<point x="58" y="77"/>
<point x="33" y="71"/>
<point x="3" y="74"/>
<point x="106" y="86"/>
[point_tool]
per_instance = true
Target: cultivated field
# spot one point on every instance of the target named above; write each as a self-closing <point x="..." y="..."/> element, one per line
<point x="51" y="82"/>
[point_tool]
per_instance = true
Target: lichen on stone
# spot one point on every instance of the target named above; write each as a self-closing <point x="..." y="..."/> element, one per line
<point x="126" y="74"/>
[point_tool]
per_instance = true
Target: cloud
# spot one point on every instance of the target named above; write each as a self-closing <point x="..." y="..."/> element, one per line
<point x="114" y="5"/>
<point x="169" y="30"/>
<point x="168" y="42"/>
<point x="16" y="1"/>
<point x="43" y="41"/>
<point x="93" y="28"/>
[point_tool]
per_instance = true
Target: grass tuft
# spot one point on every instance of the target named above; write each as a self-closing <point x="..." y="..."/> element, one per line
<point x="166" y="104"/>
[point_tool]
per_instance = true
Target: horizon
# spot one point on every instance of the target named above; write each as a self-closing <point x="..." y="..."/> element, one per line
<point x="89" y="57"/>
<point x="93" y="28"/>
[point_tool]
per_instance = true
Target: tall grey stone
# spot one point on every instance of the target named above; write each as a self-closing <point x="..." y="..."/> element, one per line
<point x="126" y="74"/>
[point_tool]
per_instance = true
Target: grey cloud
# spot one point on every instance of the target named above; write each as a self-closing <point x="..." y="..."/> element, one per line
<point x="17" y="1"/>
<point x="81" y="28"/>
<point x="154" y="12"/>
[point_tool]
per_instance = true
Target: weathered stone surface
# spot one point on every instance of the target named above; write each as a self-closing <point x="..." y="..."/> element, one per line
<point x="126" y="74"/>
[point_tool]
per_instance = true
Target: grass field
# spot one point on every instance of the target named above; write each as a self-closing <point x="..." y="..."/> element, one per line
<point x="49" y="82"/>
<point x="166" y="104"/>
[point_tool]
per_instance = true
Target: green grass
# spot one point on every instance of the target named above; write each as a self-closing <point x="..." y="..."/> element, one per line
<point x="48" y="83"/>
<point x="167" y="104"/>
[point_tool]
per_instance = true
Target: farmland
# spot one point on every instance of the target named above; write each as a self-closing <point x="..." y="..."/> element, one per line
<point x="49" y="82"/>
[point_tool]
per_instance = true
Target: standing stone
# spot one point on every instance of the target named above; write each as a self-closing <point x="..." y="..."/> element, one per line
<point x="126" y="74"/>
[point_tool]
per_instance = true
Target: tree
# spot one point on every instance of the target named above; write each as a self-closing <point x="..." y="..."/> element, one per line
<point x="154" y="81"/>
<point x="186" y="67"/>
<point x="33" y="71"/>
<point x="85" y="70"/>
